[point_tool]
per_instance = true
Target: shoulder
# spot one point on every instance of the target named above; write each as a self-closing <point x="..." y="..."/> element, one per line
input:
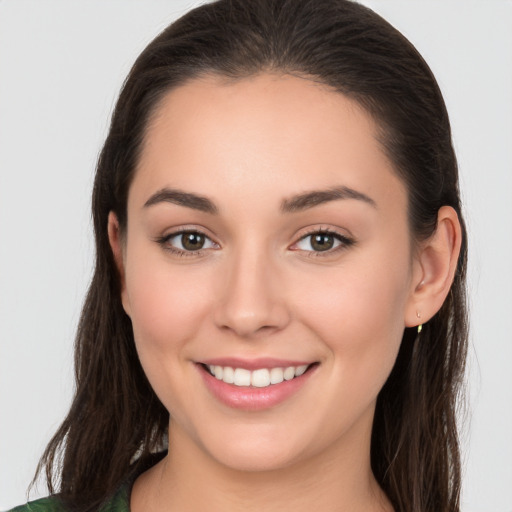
<point x="50" y="504"/>
<point x="119" y="502"/>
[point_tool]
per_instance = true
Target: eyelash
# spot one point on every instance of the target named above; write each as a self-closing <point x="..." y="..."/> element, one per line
<point x="345" y="242"/>
<point x="164" y="242"/>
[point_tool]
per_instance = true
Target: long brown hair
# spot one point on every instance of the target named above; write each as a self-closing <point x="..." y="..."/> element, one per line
<point x="116" y="420"/>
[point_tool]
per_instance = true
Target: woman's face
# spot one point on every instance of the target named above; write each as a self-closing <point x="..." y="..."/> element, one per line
<point x="266" y="231"/>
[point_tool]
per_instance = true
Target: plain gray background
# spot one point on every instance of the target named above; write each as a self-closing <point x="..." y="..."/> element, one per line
<point x="61" y="66"/>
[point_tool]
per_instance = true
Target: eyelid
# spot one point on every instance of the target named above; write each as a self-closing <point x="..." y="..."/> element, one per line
<point x="163" y="240"/>
<point x="346" y="240"/>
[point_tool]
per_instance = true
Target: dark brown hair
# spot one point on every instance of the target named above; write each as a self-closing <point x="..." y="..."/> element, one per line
<point x="116" y="420"/>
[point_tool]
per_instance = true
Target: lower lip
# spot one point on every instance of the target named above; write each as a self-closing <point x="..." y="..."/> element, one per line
<point x="252" y="398"/>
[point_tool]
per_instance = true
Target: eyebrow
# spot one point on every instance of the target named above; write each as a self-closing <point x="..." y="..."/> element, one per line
<point x="296" y="203"/>
<point x="317" y="197"/>
<point x="194" y="201"/>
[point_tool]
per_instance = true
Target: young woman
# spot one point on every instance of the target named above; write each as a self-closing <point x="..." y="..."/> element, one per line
<point x="277" y="317"/>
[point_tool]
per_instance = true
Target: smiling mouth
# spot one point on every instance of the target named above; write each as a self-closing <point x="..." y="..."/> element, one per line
<point x="260" y="378"/>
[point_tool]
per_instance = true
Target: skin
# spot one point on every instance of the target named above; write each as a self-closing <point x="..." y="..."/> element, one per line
<point x="258" y="289"/>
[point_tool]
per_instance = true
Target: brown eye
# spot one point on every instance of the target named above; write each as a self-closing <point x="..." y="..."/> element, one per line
<point x="192" y="241"/>
<point x="322" y="242"/>
<point x="187" y="242"/>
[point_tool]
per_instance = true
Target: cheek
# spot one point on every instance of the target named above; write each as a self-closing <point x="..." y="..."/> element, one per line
<point x="167" y="303"/>
<point x="167" y="308"/>
<point x="358" y="313"/>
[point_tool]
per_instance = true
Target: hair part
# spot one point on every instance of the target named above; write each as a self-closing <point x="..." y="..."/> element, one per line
<point x="116" y="420"/>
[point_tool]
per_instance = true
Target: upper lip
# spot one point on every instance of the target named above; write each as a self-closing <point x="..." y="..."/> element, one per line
<point x="254" y="364"/>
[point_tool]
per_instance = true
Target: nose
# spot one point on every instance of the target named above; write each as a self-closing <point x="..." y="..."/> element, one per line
<point x="252" y="299"/>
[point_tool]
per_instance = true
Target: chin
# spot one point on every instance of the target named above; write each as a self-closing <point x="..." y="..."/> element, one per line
<point x="255" y="449"/>
<point x="255" y="460"/>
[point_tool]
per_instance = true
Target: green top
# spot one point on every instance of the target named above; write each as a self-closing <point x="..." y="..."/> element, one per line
<point x="120" y="502"/>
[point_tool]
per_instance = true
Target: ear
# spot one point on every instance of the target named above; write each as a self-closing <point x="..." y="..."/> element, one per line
<point x="116" y="244"/>
<point x="434" y="268"/>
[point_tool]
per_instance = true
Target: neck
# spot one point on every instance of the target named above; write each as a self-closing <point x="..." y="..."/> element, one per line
<point x="339" y="479"/>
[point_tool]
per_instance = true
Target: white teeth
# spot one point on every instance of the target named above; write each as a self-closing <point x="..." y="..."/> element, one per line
<point x="260" y="378"/>
<point x="289" y="373"/>
<point x="300" y="370"/>
<point x="276" y="376"/>
<point x="229" y="375"/>
<point x="242" y="377"/>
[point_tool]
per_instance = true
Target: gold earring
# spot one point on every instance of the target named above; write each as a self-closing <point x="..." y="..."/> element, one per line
<point x="420" y="326"/>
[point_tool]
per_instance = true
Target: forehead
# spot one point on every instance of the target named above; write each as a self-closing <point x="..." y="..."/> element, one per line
<point x="268" y="134"/>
